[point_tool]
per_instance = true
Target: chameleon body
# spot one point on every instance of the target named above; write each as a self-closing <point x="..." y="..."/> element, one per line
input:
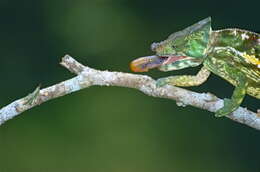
<point x="233" y="54"/>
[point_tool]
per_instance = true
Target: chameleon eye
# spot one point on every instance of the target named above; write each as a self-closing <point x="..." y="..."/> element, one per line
<point x="154" y="46"/>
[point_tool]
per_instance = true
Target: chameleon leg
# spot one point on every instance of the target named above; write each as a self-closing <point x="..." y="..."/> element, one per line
<point x="185" y="80"/>
<point x="238" y="95"/>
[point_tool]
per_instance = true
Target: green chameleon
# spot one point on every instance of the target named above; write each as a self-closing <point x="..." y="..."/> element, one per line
<point x="232" y="54"/>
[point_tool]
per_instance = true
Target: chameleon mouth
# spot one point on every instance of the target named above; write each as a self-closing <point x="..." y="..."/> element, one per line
<point x="143" y="64"/>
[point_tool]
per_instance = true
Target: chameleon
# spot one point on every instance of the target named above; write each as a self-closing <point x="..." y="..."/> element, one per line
<point x="232" y="54"/>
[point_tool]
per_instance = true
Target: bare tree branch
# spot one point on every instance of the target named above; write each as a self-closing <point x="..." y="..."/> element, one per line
<point x="87" y="77"/>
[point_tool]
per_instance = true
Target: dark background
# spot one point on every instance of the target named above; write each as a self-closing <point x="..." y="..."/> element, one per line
<point x="103" y="129"/>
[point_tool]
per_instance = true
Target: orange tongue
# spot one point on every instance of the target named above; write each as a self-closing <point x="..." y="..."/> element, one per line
<point x="143" y="64"/>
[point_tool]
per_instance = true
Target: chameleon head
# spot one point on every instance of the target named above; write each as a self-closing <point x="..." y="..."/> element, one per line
<point x="186" y="48"/>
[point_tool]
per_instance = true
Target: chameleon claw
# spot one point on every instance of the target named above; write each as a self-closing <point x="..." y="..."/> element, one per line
<point x="161" y="82"/>
<point x="226" y="109"/>
<point x="220" y="113"/>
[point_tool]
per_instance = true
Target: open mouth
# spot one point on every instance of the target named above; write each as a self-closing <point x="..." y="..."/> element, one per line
<point x="143" y="64"/>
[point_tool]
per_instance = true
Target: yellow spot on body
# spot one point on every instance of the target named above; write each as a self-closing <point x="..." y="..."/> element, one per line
<point x="252" y="59"/>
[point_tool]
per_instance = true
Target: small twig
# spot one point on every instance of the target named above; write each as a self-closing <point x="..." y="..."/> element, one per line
<point x="88" y="77"/>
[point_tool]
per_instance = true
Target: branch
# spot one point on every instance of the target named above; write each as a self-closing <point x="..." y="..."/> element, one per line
<point x="87" y="77"/>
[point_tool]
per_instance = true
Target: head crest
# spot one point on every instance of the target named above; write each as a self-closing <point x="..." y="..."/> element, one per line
<point x="204" y="24"/>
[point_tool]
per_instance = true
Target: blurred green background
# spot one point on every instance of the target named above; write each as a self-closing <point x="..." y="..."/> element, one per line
<point x="110" y="129"/>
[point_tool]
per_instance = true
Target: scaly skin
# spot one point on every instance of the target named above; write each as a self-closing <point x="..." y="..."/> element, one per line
<point x="232" y="54"/>
<point x="242" y="53"/>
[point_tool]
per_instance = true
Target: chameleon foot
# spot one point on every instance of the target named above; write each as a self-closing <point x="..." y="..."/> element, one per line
<point x="228" y="107"/>
<point x="162" y="82"/>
